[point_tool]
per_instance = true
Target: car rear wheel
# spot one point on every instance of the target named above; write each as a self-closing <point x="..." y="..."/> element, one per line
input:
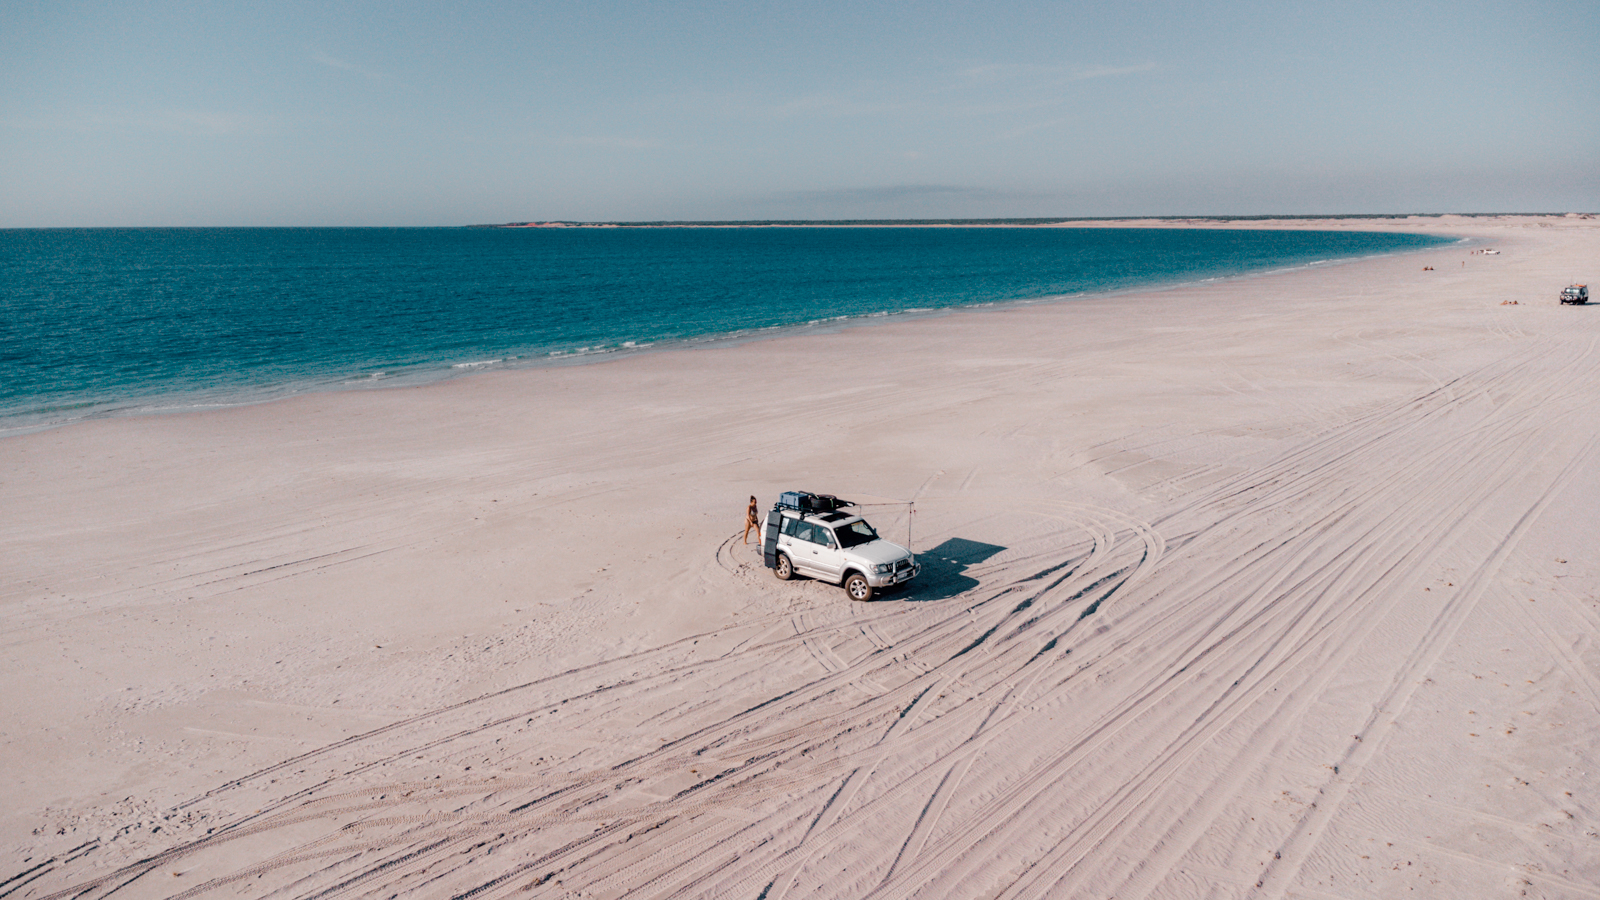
<point x="857" y="587"/>
<point x="784" y="569"/>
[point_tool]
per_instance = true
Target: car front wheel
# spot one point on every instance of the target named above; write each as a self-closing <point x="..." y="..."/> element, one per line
<point x="857" y="587"/>
<point x="784" y="570"/>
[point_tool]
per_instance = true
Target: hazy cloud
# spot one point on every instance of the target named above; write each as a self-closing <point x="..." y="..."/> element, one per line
<point x="1050" y="74"/>
<point x="902" y="201"/>
<point x="1111" y="71"/>
<point x="986" y="90"/>
<point x="167" y="121"/>
<point x="334" y="62"/>
<point x="835" y="105"/>
<point x="895" y="193"/>
<point x="1028" y="128"/>
<point x="609" y="143"/>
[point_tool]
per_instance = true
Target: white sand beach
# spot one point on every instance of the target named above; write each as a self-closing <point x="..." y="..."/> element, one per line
<point x="1284" y="586"/>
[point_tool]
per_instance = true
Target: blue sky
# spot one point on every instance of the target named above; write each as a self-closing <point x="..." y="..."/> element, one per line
<point x="287" y="113"/>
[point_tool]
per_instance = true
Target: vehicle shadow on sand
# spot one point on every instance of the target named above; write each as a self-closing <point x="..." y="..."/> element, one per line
<point x="944" y="571"/>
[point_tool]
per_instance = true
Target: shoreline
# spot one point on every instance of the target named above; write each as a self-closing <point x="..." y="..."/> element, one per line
<point x="1297" y="549"/>
<point x="191" y="400"/>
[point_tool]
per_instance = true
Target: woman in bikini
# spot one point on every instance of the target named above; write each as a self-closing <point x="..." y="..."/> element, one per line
<point x="752" y="519"/>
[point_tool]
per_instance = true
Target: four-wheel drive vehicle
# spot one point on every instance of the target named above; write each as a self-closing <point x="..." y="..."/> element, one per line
<point x="1577" y="293"/>
<point x="808" y="534"/>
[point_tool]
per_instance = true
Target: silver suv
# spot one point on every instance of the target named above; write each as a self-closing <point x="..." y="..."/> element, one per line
<point x="836" y="547"/>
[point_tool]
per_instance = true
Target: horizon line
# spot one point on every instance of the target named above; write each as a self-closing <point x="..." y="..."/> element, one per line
<point x="1014" y="220"/>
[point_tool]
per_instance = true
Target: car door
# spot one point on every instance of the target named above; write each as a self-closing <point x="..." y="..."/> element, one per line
<point x="826" y="557"/>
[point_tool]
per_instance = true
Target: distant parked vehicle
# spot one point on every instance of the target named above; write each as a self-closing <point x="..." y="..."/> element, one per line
<point x="1577" y="294"/>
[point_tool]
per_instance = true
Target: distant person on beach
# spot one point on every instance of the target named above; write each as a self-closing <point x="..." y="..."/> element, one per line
<point x="752" y="519"/>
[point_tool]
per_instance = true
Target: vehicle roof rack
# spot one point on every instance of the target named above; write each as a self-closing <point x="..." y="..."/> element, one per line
<point x="807" y="502"/>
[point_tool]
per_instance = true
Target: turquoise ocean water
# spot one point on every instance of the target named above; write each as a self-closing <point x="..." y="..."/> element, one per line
<point x="102" y="322"/>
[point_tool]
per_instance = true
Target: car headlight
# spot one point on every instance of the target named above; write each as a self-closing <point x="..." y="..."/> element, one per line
<point x="883" y="568"/>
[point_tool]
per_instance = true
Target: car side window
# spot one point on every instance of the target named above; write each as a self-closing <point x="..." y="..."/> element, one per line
<point x="791" y="526"/>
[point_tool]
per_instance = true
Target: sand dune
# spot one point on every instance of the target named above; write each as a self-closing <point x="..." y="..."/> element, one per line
<point x="1279" y="587"/>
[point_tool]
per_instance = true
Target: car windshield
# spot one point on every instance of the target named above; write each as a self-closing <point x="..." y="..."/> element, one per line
<point x="857" y="532"/>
